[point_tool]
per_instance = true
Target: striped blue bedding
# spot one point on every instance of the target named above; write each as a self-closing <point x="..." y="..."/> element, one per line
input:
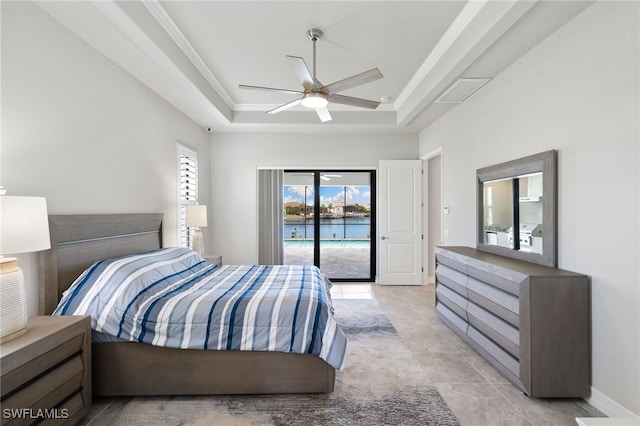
<point x="172" y="297"/>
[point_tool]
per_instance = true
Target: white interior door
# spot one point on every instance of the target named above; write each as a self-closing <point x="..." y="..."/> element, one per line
<point x="400" y="222"/>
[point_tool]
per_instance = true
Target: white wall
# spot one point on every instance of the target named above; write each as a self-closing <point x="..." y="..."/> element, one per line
<point x="576" y="92"/>
<point x="80" y="131"/>
<point x="235" y="159"/>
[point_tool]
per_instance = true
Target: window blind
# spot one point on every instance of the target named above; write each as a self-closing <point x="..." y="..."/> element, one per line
<point x="188" y="190"/>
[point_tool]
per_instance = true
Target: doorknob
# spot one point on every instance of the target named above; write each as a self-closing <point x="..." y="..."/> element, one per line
<point x="383" y="237"/>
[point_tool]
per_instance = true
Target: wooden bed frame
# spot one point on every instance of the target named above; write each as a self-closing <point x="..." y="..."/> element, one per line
<point x="77" y="241"/>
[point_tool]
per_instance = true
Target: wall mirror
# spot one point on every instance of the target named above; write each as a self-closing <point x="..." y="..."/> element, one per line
<point x="516" y="207"/>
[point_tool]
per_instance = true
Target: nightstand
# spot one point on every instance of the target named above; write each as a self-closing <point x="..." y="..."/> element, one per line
<point x="46" y="373"/>
<point x="213" y="259"/>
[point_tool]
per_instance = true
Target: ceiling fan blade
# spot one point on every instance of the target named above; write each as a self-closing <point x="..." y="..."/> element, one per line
<point x="271" y="89"/>
<point x="353" y="81"/>
<point x="302" y="72"/>
<point x="358" y="102"/>
<point x="284" y="107"/>
<point x="324" y="114"/>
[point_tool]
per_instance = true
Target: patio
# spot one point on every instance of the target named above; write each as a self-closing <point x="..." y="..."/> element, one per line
<point x="336" y="262"/>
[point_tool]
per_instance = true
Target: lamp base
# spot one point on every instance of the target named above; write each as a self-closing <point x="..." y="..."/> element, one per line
<point x="198" y="241"/>
<point x="8" y="264"/>
<point x="13" y="303"/>
<point x="12" y="336"/>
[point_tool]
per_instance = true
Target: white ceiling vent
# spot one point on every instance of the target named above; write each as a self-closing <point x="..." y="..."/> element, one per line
<point x="461" y="89"/>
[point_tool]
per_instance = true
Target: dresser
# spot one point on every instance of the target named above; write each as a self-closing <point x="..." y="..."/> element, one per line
<point x="46" y="373"/>
<point x="530" y="322"/>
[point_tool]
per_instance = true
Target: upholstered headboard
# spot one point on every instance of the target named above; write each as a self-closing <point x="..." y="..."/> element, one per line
<point x="77" y="241"/>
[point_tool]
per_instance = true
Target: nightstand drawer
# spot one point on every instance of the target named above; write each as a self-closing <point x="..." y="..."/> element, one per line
<point x="46" y="372"/>
<point x="39" y="365"/>
<point x="70" y="411"/>
<point x="50" y="389"/>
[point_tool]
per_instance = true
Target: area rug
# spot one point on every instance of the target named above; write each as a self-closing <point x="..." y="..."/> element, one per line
<point x="381" y="385"/>
<point x="411" y="407"/>
<point x="362" y="318"/>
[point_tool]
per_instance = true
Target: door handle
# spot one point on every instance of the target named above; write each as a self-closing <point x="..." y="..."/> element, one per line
<point x="383" y="237"/>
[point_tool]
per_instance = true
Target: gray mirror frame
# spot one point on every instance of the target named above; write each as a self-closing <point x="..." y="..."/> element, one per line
<point x="545" y="162"/>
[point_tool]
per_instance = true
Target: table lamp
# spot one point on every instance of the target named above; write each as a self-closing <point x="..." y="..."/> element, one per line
<point x="197" y="218"/>
<point x="24" y="228"/>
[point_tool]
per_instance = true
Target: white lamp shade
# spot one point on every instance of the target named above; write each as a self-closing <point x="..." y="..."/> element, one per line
<point x="24" y="225"/>
<point x="196" y="215"/>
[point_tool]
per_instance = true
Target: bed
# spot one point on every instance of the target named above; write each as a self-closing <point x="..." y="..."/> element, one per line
<point x="121" y="367"/>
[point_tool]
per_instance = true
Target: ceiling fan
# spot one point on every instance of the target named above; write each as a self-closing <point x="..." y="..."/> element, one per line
<point x="316" y="95"/>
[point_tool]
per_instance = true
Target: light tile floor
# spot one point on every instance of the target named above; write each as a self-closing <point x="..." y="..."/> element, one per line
<point x="351" y="291"/>
<point x="473" y="389"/>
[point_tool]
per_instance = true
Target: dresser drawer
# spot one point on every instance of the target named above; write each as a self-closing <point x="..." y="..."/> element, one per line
<point x="441" y="257"/>
<point x="453" y="279"/>
<point x="499" y="354"/>
<point x="452" y="300"/>
<point x="451" y="318"/>
<point x="498" y="302"/>
<point x="502" y="279"/>
<point x="501" y="332"/>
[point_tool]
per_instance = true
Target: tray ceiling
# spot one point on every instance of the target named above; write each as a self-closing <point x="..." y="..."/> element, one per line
<point x="194" y="54"/>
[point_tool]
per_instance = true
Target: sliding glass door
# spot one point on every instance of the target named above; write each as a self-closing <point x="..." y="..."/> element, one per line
<point x="341" y="241"/>
<point x="299" y="236"/>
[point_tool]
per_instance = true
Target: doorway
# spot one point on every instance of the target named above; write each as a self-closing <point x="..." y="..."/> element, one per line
<point x="329" y="221"/>
<point x="433" y="212"/>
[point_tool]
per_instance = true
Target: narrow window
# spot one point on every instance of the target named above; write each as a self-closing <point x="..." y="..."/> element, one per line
<point x="187" y="190"/>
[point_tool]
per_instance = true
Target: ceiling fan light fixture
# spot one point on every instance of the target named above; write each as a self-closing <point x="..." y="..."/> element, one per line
<point x="314" y="100"/>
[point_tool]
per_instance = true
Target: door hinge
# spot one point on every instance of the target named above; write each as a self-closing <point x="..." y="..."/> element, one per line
<point x="422" y="237"/>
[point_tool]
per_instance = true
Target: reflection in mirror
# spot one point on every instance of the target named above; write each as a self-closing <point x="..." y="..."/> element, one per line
<point x="530" y="206"/>
<point x="498" y="212"/>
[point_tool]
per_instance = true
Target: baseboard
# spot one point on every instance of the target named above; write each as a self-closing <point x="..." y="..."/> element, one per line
<point x="608" y="406"/>
<point x="605" y="421"/>
<point x="431" y="279"/>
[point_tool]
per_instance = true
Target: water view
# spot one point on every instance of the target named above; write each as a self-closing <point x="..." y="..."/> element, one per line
<point x="347" y="228"/>
<point x="300" y="243"/>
